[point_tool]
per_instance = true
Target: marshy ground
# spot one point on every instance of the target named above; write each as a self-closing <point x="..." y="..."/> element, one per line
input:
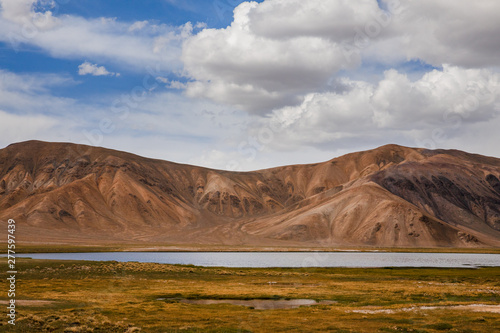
<point x="79" y="296"/>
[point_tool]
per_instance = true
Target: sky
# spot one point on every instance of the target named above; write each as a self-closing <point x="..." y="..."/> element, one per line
<point x="246" y="85"/>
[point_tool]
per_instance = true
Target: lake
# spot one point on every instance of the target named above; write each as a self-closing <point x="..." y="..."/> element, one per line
<point x="287" y="259"/>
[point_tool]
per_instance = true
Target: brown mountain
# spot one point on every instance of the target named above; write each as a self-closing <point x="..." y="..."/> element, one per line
<point x="389" y="196"/>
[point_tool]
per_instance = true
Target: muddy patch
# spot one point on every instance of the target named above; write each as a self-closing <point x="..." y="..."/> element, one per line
<point x="259" y="304"/>
<point x="470" y="307"/>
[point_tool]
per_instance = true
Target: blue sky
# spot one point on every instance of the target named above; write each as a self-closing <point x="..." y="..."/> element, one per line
<point x="216" y="14"/>
<point x="275" y="82"/>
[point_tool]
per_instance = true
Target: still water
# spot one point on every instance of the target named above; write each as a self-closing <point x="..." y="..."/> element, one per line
<point x="287" y="259"/>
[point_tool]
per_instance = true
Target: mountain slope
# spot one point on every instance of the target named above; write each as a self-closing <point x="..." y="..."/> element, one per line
<point x="390" y="196"/>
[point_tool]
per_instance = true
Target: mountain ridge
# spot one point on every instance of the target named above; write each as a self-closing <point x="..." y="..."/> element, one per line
<point x="391" y="196"/>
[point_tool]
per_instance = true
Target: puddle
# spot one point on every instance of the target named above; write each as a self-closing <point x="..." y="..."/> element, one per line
<point x="259" y="304"/>
<point x="470" y="307"/>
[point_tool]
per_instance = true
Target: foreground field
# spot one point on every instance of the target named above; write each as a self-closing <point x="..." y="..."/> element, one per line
<point x="76" y="296"/>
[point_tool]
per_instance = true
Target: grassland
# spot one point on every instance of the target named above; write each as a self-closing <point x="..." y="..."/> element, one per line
<point x="133" y="297"/>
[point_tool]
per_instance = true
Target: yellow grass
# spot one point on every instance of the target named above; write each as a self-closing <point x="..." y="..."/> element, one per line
<point x="124" y="297"/>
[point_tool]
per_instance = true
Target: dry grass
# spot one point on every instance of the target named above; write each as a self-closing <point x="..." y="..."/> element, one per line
<point x="123" y="297"/>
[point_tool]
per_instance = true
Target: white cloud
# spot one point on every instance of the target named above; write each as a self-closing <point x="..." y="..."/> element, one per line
<point x="446" y="31"/>
<point x="159" y="124"/>
<point x="29" y="109"/>
<point x="435" y="31"/>
<point x="277" y="51"/>
<point x="15" y="128"/>
<point x="167" y="126"/>
<point x="29" y="13"/>
<point x="132" y="46"/>
<point x="92" y="69"/>
<point x="172" y="84"/>
<point x="176" y="85"/>
<point x="278" y="57"/>
<point x="394" y="108"/>
<point x="30" y="93"/>
<point x="255" y="72"/>
<point x="334" y="20"/>
<point x="138" y="25"/>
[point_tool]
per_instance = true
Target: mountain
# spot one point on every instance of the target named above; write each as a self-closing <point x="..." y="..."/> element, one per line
<point x="391" y="196"/>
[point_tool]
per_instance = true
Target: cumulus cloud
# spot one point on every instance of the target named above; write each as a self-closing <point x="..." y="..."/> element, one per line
<point x="254" y="72"/>
<point x="289" y="19"/>
<point x="92" y="69"/>
<point x="276" y="52"/>
<point x="447" y="31"/>
<point x="296" y="66"/>
<point x="394" y="107"/>
<point x="30" y="13"/>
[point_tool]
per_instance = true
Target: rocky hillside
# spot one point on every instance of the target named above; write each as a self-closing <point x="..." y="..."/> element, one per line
<point x="390" y="196"/>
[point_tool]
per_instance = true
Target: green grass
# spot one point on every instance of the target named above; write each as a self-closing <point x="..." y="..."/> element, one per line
<point x="121" y="297"/>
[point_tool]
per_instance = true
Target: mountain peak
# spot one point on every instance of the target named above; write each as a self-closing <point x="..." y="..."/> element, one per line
<point x="388" y="196"/>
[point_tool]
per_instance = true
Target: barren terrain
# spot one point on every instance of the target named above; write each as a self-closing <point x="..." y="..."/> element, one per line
<point x="392" y="196"/>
